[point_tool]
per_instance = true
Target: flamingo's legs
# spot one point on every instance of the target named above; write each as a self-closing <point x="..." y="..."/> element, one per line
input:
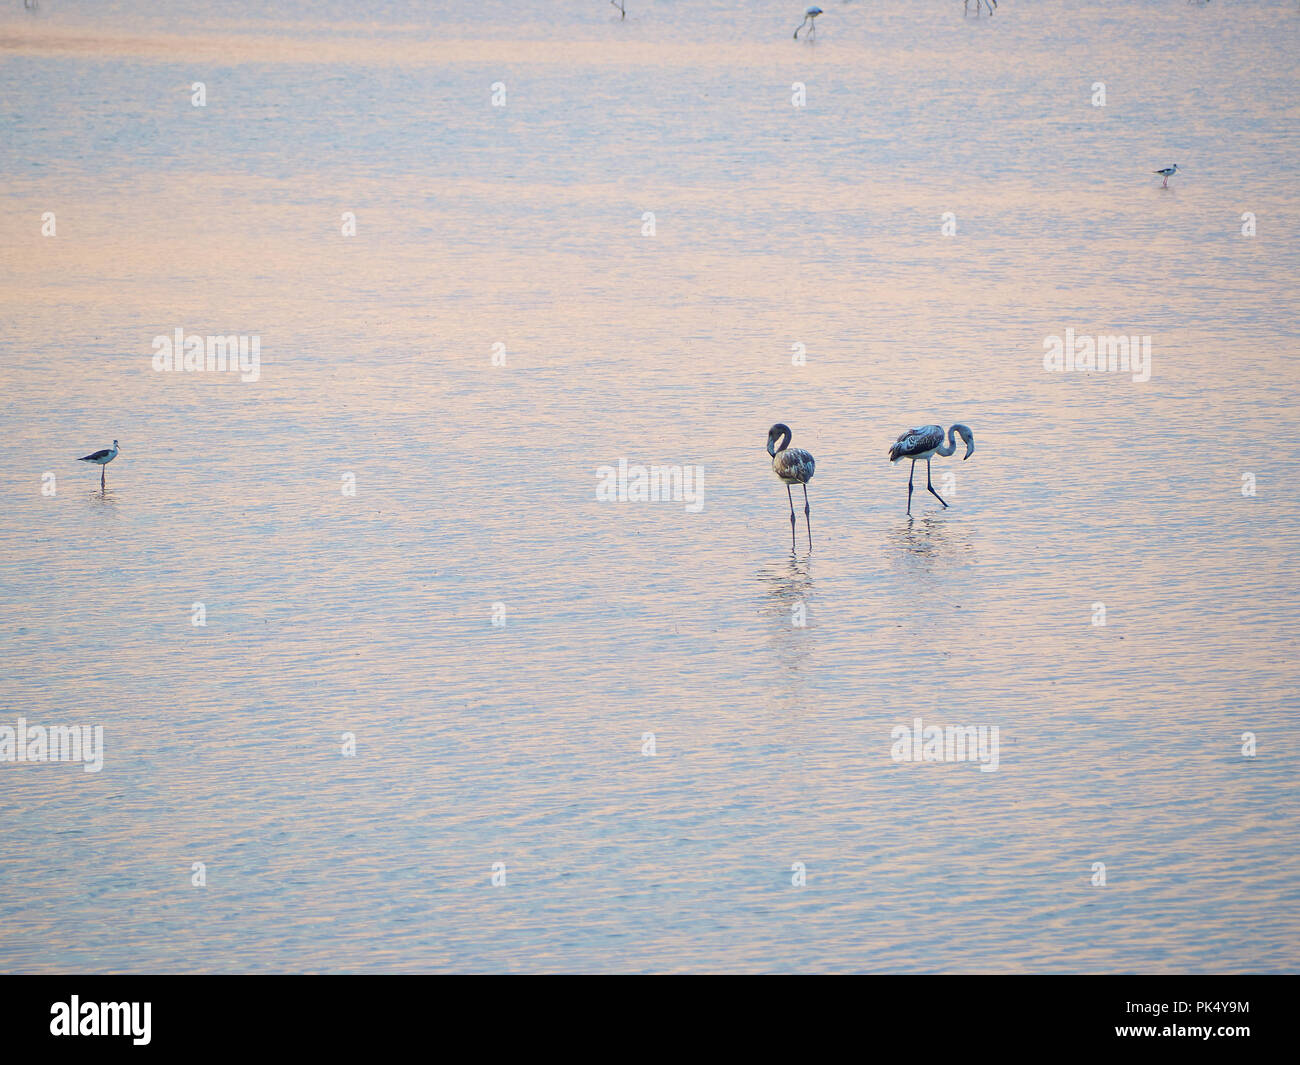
<point x="930" y="487"/>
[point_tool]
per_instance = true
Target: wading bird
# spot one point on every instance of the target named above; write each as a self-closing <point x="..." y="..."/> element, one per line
<point x="991" y="4"/>
<point x="921" y="443"/>
<point x="794" y="466"/>
<point x="1167" y="173"/>
<point x="809" y="20"/>
<point x="101" y="459"/>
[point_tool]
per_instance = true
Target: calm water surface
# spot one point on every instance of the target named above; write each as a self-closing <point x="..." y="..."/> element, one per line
<point x="476" y="485"/>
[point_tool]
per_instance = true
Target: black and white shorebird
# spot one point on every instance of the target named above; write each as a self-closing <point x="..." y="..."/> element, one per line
<point x="794" y="466"/>
<point x="809" y="20"/>
<point x="101" y="459"/>
<point x="921" y="443"/>
<point x="1167" y="173"/>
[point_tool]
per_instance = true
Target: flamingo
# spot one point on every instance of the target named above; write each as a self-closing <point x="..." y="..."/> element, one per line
<point x="921" y="443"/>
<point x="101" y="459"/>
<point x="793" y="465"/>
<point x="809" y="17"/>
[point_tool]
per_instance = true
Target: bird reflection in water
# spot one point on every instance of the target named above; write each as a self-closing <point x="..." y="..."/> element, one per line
<point x="789" y="591"/>
<point x="923" y="541"/>
<point x="788" y="586"/>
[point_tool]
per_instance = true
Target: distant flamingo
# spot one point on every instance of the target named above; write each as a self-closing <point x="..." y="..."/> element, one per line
<point x="793" y="465"/>
<point x="809" y="20"/>
<point x="921" y="443"/>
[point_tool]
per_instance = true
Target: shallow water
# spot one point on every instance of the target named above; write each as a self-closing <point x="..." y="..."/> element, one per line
<point x="476" y="485"/>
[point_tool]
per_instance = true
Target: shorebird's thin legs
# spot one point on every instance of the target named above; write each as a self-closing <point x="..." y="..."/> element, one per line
<point x="791" y="498"/>
<point x="807" y="516"/>
<point x="910" y="475"/>
<point x="929" y="486"/>
<point x="102" y="470"/>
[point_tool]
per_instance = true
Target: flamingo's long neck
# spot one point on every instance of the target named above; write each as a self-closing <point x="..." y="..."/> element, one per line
<point x="952" y="443"/>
